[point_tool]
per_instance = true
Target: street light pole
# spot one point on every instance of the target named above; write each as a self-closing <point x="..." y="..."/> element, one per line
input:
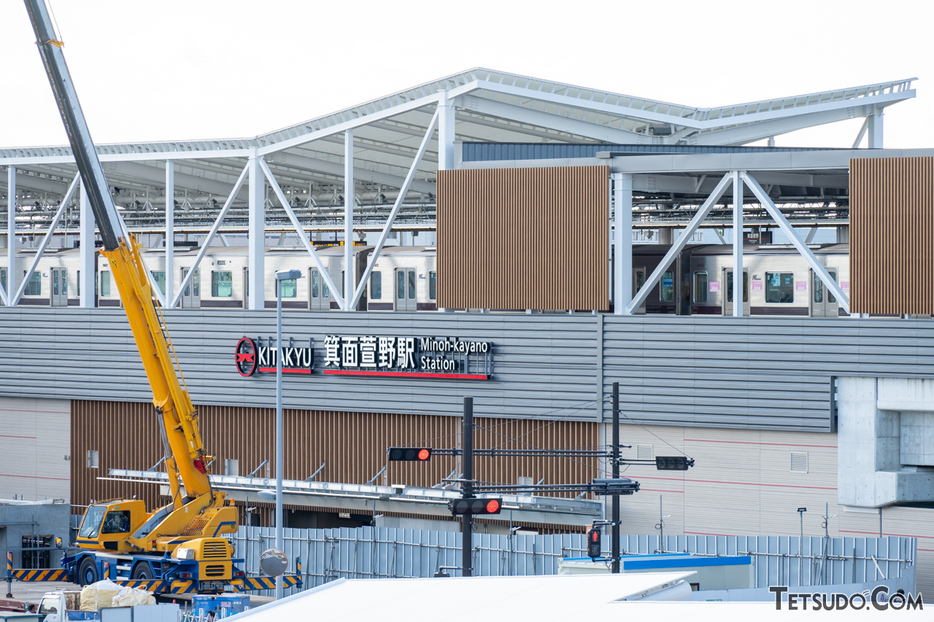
<point x="282" y="275"/>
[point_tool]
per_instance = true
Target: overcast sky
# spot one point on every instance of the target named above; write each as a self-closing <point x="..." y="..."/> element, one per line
<point x="191" y="69"/>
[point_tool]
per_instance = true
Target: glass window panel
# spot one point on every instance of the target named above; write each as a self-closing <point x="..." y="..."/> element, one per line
<point x="222" y="284"/>
<point x="700" y="287"/>
<point x="432" y="285"/>
<point x="55" y="279"/>
<point x="289" y="288"/>
<point x="78" y="276"/>
<point x="34" y="286"/>
<point x="830" y="297"/>
<point x="667" y="292"/>
<point x="314" y="283"/>
<point x="159" y="279"/>
<point x="64" y="282"/>
<point x="105" y="283"/>
<point x="196" y="281"/>
<point x="729" y="287"/>
<point x="411" y="284"/>
<point x="818" y="289"/>
<point x="780" y="287"/>
<point x="400" y="285"/>
<point x="376" y="285"/>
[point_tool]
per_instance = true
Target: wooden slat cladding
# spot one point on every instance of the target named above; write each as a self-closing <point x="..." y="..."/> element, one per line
<point x="352" y="446"/>
<point x="531" y="238"/>
<point x="891" y="233"/>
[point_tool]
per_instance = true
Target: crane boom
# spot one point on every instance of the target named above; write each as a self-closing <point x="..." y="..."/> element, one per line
<point x="180" y="421"/>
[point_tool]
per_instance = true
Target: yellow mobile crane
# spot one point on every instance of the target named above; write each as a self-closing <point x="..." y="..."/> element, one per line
<point x="179" y="547"/>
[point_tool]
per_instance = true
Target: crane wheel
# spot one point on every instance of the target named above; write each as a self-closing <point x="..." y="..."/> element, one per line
<point x="87" y="571"/>
<point x="142" y="572"/>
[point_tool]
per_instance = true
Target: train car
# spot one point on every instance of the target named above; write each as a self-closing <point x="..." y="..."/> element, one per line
<point x="404" y="278"/>
<point x="53" y="283"/>
<point x="777" y="281"/>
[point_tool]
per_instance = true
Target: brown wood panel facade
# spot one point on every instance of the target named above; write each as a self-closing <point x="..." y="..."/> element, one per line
<point x="891" y="233"/>
<point x="352" y="446"/>
<point x="530" y="238"/>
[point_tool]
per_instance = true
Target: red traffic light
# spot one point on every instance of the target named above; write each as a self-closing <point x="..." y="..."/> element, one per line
<point x="409" y="454"/>
<point x="593" y="543"/>
<point x="459" y="507"/>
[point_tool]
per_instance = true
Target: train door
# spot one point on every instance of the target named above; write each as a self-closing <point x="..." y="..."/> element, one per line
<point x="59" y="278"/>
<point x="319" y="298"/>
<point x="638" y="280"/>
<point x="405" y="289"/>
<point x="727" y="295"/>
<point x="191" y="297"/>
<point x="823" y="302"/>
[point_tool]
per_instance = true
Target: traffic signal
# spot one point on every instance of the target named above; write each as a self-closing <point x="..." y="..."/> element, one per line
<point x="673" y="463"/>
<point x="593" y="543"/>
<point x="614" y="486"/>
<point x="459" y="507"/>
<point x="410" y="454"/>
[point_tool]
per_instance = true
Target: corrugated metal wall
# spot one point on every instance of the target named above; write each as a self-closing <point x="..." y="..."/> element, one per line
<point x="891" y="228"/>
<point x="533" y="238"/>
<point x="371" y="553"/>
<point x="351" y="445"/>
<point x="762" y="373"/>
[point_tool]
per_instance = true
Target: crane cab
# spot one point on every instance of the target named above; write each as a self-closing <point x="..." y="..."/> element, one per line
<point x="105" y="526"/>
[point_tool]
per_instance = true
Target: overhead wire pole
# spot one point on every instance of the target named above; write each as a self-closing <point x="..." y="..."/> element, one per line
<point x="467" y="529"/>
<point x="615" y="511"/>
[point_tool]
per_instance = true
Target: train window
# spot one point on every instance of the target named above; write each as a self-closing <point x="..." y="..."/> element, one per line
<point x="222" y="284"/>
<point x="667" y="287"/>
<point x="78" y="276"/>
<point x="729" y="287"/>
<point x="105" y="283"/>
<point x="411" y="284"/>
<point x="376" y="285"/>
<point x="432" y="285"/>
<point x="700" y="287"/>
<point x="288" y="288"/>
<point x="159" y="279"/>
<point x="314" y="283"/>
<point x="34" y="286"/>
<point x="3" y="277"/>
<point x="400" y="284"/>
<point x="780" y="287"/>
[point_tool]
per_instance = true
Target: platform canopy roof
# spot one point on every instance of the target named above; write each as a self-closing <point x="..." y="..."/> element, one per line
<point x="307" y="159"/>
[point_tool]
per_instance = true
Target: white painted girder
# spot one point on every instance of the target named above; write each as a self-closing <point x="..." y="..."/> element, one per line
<point x="678" y="246"/>
<point x="802" y="248"/>
<point x="284" y="202"/>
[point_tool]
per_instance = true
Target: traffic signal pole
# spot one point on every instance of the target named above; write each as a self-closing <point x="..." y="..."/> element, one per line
<point x="467" y="529"/>
<point x="615" y="452"/>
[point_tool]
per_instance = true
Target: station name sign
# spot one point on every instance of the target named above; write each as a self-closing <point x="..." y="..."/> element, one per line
<point x="253" y="355"/>
<point x="418" y="357"/>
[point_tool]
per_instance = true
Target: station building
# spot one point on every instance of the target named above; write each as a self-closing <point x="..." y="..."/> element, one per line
<point x="580" y="238"/>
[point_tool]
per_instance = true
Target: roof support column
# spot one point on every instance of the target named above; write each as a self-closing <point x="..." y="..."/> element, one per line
<point x="347" y="292"/>
<point x="10" y="285"/>
<point x="445" y="133"/>
<point x="256" y="244"/>
<point x="169" y="229"/>
<point x="622" y="243"/>
<point x="86" y="257"/>
<point x="737" y="244"/>
<point x="875" y="128"/>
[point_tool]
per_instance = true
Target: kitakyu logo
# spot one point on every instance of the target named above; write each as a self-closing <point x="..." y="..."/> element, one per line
<point x="878" y="599"/>
<point x="253" y="356"/>
<point x="246" y="357"/>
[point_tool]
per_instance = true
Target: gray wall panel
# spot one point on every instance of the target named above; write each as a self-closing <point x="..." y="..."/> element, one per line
<point x="770" y="373"/>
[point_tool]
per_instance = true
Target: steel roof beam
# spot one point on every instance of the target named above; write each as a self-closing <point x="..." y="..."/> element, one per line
<point x="336" y="170"/>
<point x="574" y="127"/>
